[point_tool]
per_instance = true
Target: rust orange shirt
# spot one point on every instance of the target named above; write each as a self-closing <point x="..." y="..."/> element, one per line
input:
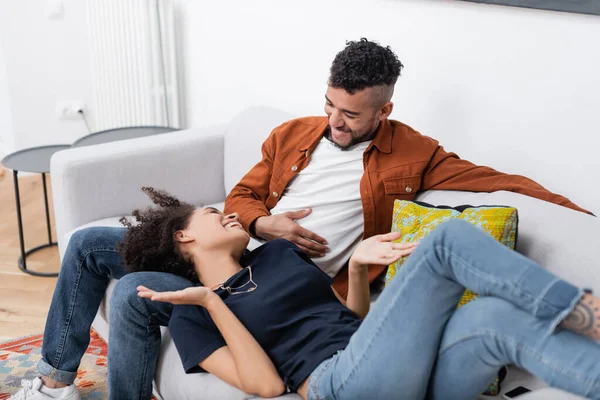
<point x="399" y="163"/>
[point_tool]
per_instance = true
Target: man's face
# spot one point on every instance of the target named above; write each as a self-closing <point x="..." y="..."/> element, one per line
<point x="353" y="118"/>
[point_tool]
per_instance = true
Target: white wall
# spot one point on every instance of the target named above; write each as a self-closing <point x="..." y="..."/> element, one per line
<point x="6" y="130"/>
<point x="513" y="88"/>
<point x="46" y="61"/>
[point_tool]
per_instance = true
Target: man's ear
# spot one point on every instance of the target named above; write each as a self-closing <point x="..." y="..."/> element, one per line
<point x="386" y="110"/>
<point x="183" y="237"/>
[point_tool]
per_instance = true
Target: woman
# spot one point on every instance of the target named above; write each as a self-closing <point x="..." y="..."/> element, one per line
<point x="268" y="321"/>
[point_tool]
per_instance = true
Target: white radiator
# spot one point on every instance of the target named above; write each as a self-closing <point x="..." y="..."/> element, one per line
<point x="134" y="69"/>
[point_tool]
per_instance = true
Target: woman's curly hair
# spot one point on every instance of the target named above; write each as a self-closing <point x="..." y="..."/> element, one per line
<point x="364" y="64"/>
<point x="149" y="244"/>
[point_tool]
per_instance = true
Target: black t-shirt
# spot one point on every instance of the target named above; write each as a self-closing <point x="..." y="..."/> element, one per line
<point x="293" y="314"/>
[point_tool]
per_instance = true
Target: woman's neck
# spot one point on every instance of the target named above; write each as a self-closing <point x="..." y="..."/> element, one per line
<point x="215" y="269"/>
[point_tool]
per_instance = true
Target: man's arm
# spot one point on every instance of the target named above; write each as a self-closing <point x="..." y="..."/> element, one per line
<point x="446" y="171"/>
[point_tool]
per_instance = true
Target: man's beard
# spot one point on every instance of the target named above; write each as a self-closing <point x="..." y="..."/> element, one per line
<point x="353" y="142"/>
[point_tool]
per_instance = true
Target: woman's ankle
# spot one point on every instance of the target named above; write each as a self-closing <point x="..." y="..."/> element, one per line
<point x="52" y="384"/>
<point x="585" y="317"/>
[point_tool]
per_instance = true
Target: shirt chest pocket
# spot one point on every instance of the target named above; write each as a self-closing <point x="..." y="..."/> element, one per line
<point x="402" y="188"/>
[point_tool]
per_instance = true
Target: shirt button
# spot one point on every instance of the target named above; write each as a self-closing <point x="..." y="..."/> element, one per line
<point x="294" y="168"/>
<point x="275" y="194"/>
<point x="408" y="189"/>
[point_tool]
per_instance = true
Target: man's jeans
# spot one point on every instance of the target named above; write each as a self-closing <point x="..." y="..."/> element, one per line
<point x="90" y="261"/>
<point x="414" y="344"/>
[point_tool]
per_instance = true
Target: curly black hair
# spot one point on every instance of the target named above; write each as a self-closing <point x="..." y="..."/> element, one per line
<point x="149" y="244"/>
<point x="364" y="64"/>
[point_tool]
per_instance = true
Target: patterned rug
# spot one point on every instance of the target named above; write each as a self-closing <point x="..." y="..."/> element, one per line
<point x="19" y="358"/>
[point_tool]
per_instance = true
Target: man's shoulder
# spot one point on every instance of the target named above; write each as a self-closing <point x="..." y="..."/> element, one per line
<point x="409" y="135"/>
<point x="409" y="145"/>
<point x="401" y="127"/>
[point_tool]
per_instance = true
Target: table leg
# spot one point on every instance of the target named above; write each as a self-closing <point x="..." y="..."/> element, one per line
<point x="19" y="221"/>
<point x="22" y="262"/>
<point x="47" y="211"/>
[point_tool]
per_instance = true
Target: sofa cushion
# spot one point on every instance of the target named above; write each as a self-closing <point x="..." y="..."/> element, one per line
<point x="244" y="138"/>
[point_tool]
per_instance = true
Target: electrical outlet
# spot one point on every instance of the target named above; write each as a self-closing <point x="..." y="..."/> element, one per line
<point x="69" y="110"/>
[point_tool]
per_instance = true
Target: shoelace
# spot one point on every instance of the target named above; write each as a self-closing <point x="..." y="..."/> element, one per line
<point x="27" y="390"/>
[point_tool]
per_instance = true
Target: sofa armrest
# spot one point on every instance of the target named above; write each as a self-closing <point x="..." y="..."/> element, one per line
<point x="101" y="181"/>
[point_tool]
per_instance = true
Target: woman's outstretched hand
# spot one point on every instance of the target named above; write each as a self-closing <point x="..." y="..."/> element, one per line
<point x="196" y="295"/>
<point x="381" y="250"/>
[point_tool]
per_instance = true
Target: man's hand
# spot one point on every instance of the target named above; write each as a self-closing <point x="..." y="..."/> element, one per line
<point x="284" y="226"/>
<point x="380" y="250"/>
<point x="195" y="295"/>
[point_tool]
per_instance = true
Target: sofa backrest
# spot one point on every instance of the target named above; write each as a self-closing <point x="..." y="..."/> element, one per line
<point x="244" y="138"/>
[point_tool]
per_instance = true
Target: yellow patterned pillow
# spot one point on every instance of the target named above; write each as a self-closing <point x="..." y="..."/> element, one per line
<point x="415" y="220"/>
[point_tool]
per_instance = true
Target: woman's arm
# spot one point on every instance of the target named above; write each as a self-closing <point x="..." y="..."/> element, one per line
<point x="359" y="293"/>
<point x="378" y="250"/>
<point x="255" y="370"/>
<point x="242" y="363"/>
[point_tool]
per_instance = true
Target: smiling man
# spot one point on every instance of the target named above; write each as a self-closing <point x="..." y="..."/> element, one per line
<point x="325" y="183"/>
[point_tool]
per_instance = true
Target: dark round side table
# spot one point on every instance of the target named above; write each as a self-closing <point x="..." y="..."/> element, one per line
<point x="114" y="135"/>
<point x="37" y="160"/>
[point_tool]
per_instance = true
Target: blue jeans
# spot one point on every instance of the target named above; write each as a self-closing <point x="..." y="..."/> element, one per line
<point x="90" y="261"/>
<point x="415" y="344"/>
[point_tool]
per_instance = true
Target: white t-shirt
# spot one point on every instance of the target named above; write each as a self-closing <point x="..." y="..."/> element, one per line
<point x="330" y="186"/>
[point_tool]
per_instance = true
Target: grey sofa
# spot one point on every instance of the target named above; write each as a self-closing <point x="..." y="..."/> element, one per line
<point x="96" y="185"/>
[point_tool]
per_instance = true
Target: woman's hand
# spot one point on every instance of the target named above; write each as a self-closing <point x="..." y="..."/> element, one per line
<point x="380" y="250"/>
<point x="195" y="295"/>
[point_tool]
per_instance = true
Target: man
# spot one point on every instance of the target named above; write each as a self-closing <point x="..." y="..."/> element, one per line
<point x="347" y="168"/>
<point x="325" y="183"/>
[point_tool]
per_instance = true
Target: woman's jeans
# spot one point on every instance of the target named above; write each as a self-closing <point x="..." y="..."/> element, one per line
<point x="415" y="344"/>
<point x="90" y="261"/>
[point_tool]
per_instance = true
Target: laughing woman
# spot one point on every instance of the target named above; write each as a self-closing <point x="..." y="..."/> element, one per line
<point x="268" y="321"/>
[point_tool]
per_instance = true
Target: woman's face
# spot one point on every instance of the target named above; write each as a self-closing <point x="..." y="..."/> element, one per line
<point x="211" y="230"/>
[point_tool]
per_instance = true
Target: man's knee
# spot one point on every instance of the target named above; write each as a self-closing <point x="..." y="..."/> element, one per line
<point x="96" y="238"/>
<point x="125" y="294"/>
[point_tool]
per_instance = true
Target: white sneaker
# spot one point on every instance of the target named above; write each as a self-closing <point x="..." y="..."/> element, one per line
<point x="31" y="391"/>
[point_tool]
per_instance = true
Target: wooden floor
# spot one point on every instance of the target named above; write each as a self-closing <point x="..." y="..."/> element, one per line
<point x="25" y="299"/>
